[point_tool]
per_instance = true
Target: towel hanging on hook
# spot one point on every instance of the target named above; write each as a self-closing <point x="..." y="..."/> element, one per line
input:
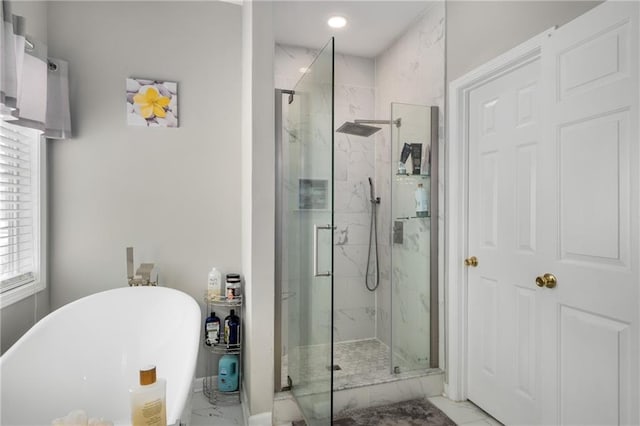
<point x="12" y="42"/>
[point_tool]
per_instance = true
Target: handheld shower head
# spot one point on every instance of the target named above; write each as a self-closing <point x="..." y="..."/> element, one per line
<point x="373" y="241"/>
<point x="372" y="195"/>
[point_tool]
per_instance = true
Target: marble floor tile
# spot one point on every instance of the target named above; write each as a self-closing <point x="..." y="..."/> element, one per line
<point x="203" y="413"/>
<point x="460" y="412"/>
<point x="488" y="421"/>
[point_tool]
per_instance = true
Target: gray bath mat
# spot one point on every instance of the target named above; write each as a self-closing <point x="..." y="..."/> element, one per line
<point x="417" y="412"/>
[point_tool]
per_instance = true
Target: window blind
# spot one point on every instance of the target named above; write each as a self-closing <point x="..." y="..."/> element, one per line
<point x="18" y="196"/>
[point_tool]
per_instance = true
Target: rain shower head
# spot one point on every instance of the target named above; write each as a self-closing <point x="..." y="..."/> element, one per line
<point x="362" y="128"/>
<point x="357" y="129"/>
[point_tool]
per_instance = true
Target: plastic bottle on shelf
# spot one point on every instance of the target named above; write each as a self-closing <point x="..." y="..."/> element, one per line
<point x="228" y="369"/>
<point x="232" y="286"/>
<point x="212" y="330"/>
<point x="422" y="201"/>
<point x="214" y="285"/>
<point x="232" y="330"/>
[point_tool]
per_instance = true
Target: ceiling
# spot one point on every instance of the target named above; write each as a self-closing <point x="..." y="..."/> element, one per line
<point x="372" y="25"/>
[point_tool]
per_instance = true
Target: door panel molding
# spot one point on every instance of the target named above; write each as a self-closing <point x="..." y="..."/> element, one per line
<point x="581" y="152"/>
<point x="610" y="45"/>
<point x="609" y="348"/>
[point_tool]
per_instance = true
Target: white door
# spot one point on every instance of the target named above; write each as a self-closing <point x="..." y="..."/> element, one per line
<point x="503" y="169"/>
<point x="589" y="369"/>
<point x="553" y="188"/>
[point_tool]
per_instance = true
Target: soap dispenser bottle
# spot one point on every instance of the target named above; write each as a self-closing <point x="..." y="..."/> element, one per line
<point x="148" y="401"/>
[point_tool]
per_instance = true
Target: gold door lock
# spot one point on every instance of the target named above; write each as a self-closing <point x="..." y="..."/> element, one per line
<point x="547" y="280"/>
<point x="471" y="261"/>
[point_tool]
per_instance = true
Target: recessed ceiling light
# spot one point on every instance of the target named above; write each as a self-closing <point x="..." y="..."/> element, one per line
<point x="337" y="21"/>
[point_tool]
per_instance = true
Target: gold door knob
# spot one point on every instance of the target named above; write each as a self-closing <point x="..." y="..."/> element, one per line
<point x="547" y="280"/>
<point x="471" y="261"/>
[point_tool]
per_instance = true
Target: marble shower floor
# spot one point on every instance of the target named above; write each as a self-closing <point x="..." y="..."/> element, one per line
<point x="361" y="362"/>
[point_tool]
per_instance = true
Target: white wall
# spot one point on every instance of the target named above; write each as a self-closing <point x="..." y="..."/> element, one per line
<point x="258" y="202"/>
<point x="478" y="31"/>
<point x="35" y="13"/>
<point x="16" y="319"/>
<point x="172" y="194"/>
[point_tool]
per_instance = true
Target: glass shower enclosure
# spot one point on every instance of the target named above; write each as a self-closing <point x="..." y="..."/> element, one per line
<point x="307" y="233"/>
<point x="315" y="362"/>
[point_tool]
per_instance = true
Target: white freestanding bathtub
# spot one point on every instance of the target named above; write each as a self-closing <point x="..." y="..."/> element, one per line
<point x="86" y="355"/>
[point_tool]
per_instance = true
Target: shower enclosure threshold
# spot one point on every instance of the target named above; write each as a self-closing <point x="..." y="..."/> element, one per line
<point x="362" y="363"/>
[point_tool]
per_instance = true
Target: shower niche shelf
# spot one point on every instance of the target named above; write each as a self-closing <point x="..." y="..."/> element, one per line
<point x="428" y="216"/>
<point x="210" y="383"/>
<point x="411" y="177"/>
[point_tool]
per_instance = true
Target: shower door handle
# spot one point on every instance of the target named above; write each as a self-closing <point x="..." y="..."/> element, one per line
<point x="316" y="228"/>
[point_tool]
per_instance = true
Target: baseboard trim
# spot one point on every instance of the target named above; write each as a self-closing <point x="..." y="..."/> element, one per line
<point x="244" y="402"/>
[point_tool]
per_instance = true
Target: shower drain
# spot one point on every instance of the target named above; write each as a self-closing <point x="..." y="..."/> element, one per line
<point x="334" y="367"/>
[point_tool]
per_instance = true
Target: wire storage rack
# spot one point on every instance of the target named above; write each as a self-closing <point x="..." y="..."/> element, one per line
<point x="210" y="389"/>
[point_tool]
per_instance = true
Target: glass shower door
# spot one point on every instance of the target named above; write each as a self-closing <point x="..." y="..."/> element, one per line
<point x="414" y="257"/>
<point x="308" y="238"/>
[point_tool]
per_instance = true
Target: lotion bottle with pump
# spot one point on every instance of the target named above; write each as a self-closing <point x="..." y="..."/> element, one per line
<point x="148" y="401"/>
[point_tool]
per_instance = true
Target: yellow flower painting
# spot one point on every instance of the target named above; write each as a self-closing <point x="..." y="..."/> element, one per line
<point x="152" y="103"/>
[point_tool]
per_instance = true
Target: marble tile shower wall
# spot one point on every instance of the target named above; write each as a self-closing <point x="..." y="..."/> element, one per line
<point x="355" y="306"/>
<point x="412" y="71"/>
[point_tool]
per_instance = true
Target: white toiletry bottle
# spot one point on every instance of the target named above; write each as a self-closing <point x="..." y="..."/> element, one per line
<point x="148" y="401"/>
<point x="422" y="203"/>
<point x="214" y="287"/>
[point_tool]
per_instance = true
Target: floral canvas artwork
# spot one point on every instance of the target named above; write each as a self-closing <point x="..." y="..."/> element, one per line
<point x="152" y="103"/>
